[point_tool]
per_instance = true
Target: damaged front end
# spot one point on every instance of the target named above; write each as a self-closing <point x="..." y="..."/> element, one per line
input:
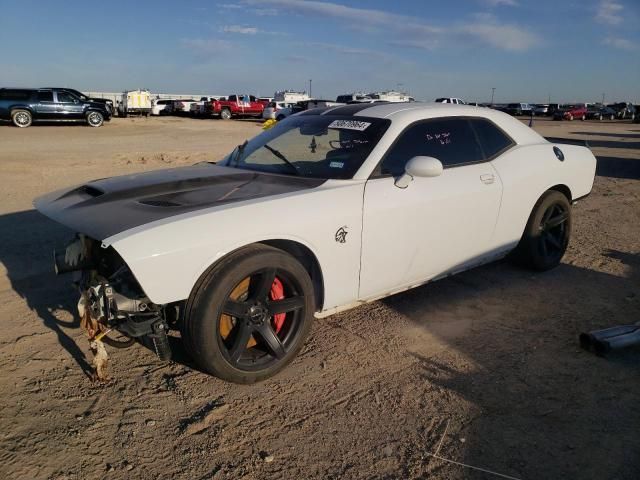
<point x="113" y="307"/>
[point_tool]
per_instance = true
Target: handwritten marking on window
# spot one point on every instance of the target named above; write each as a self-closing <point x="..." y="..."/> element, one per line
<point x="443" y="138"/>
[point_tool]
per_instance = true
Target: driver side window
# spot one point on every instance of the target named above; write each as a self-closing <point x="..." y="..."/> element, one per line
<point x="450" y="140"/>
<point x="65" y="97"/>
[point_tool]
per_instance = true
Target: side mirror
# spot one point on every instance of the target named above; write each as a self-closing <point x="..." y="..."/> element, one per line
<point x="419" y="167"/>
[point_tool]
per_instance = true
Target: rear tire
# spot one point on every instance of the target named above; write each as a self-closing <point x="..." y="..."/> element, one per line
<point x="227" y="327"/>
<point x="546" y="236"/>
<point x="22" y="118"/>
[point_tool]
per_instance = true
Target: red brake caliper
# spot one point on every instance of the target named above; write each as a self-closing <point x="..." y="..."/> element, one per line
<point x="277" y="293"/>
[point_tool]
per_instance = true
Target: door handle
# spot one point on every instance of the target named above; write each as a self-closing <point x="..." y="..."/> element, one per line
<point x="487" y="178"/>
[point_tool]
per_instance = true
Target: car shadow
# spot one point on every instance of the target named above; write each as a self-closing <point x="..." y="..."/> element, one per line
<point x="536" y="395"/>
<point x="27" y="240"/>
<point x="608" y="134"/>
<point x="618" y="167"/>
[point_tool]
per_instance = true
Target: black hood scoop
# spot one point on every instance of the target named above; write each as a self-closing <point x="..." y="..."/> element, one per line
<point x="105" y="207"/>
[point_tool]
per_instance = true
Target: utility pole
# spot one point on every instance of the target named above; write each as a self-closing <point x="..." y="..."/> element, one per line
<point x="310" y="88"/>
<point x="493" y="91"/>
<point x="603" y="99"/>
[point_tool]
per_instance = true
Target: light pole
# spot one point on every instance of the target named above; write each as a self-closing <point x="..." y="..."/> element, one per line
<point x="493" y="91"/>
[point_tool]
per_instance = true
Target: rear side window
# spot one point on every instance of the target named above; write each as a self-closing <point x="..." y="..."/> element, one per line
<point x="492" y="139"/>
<point x="45" y="96"/>
<point x="14" y="94"/>
<point x="450" y="140"/>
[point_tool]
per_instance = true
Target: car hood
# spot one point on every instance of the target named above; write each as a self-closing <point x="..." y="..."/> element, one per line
<point x="105" y="207"/>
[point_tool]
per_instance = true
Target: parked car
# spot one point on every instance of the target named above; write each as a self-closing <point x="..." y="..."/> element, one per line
<point x="570" y="112"/>
<point x="624" y="110"/>
<point x="311" y="218"/>
<point x="23" y="106"/>
<point x="277" y="110"/>
<point x="183" y="106"/>
<point x="201" y="107"/>
<point x="237" y="106"/>
<point x="159" y="106"/>
<point x="540" y="109"/>
<point x="455" y="101"/>
<point x="517" y="109"/>
<point x="107" y="102"/>
<point x="600" y="112"/>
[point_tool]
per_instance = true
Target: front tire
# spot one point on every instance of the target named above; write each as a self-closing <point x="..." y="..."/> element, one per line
<point x="22" y="118"/>
<point x="225" y="114"/>
<point x="95" y="119"/>
<point x="249" y="315"/>
<point x="546" y="236"/>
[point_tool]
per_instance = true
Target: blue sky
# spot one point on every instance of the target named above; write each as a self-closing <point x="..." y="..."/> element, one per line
<point x="570" y="50"/>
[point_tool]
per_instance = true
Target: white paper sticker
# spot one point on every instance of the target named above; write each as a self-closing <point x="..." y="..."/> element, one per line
<point x="349" y="125"/>
<point x="336" y="164"/>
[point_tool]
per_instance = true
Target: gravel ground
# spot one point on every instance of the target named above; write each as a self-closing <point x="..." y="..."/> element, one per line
<point x="470" y="375"/>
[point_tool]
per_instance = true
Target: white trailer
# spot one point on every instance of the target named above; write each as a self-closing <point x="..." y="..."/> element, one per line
<point x="289" y="96"/>
<point x="135" y="102"/>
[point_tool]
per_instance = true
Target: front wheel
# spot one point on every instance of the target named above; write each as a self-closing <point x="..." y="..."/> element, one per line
<point x="95" y="119"/>
<point x="546" y="236"/>
<point x="21" y="118"/>
<point x="225" y="114"/>
<point x="249" y="315"/>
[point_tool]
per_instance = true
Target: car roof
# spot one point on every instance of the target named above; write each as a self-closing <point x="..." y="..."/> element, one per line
<point x="416" y="111"/>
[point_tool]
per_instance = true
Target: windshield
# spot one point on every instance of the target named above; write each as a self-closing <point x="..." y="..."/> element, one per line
<point x="317" y="146"/>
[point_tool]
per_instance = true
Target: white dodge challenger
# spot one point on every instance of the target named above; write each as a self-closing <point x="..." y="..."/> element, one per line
<point x="329" y="209"/>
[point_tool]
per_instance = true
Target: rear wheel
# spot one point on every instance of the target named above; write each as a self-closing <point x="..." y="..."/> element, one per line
<point x="546" y="236"/>
<point x="249" y="315"/>
<point x="21" y="118"/>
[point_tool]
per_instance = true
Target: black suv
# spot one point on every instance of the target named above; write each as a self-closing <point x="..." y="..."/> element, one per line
<point x="23" y="106"/>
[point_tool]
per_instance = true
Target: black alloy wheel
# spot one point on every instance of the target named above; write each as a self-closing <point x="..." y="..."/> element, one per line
<point x="249" y="315"/>
<point x="554" y="237"/>
<point x="547" y="233"/>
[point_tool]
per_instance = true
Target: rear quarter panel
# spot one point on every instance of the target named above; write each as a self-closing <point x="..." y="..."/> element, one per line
<point x="530" y="170"/>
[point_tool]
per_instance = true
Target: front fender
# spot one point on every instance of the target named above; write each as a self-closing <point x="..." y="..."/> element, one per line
<point x="167" y="257"/>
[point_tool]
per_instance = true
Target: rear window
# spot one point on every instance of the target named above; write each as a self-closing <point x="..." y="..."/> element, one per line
<point x="15" y="94"/>
<point x="493" y="139"/>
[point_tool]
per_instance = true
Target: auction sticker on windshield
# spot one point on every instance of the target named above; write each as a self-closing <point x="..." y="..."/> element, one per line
<point x="349" y="125"/>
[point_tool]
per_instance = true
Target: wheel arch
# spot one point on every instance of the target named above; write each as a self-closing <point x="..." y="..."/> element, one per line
<point x="564" y="189"/>
<point x="309" y="261"/>
<point x="28" y="108"/>
<point x="307" y="258"/>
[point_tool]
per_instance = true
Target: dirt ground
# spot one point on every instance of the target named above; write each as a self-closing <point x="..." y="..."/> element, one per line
<point x="472" y="377"/>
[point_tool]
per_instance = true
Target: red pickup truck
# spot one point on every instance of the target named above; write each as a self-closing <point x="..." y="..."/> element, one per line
<point x="238" y="106"/>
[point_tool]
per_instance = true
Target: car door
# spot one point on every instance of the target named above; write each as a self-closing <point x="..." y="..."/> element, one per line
<point x="68" y="106"/>
<point x="45" y="106"/>
<point x="436" y="225"/>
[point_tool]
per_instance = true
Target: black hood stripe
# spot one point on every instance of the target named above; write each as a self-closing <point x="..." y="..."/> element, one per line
<point x="103" y="208"/>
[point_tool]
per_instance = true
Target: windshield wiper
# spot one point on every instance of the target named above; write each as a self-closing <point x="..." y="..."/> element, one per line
<point x="282" y="157"/>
